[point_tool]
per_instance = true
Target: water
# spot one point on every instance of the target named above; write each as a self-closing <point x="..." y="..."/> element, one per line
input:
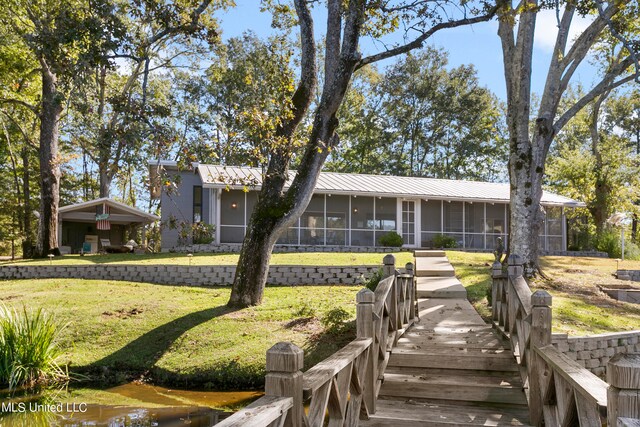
<point x="128" y="405"/>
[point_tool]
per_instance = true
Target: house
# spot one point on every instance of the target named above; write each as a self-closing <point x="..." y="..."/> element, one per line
<point x="104" y="218"/>
<point x="352" y="209"/>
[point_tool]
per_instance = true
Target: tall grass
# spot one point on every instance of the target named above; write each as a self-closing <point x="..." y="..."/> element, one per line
<point x="28" y="350"/>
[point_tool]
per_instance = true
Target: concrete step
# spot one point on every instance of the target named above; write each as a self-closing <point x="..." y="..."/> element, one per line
<point x="422" y="253"/>
<point x="411" y="413"/>
<point x="440" y="287"/>
<point x="434" y="266"/>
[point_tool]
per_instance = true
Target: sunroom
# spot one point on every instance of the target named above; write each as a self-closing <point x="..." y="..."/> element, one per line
<point x="358" y="209"/>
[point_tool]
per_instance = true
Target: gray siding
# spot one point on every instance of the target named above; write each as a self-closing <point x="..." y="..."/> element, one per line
<point x="179" y="204"/>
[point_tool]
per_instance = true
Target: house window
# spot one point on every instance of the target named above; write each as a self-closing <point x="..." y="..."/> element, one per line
<point x="197" y="204"/>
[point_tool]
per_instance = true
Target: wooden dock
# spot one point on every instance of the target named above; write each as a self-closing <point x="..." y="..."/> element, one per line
<point x="450" y="368"/>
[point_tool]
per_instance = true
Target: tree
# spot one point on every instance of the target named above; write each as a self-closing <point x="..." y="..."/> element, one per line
<point x="422" y="119"/>
<point x="595" y="163"/>
<point x="529" y="145"/>
<point x="278" y="208"/>
<point x="119" y="109"/>
<point x="64" y="38"/>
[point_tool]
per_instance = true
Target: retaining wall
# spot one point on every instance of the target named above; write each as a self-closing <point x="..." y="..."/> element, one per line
<point x="210" y="275"/>
<point x="594" y="351"/>
<point x="235" y="247"/>
<point x="628" y="275"/>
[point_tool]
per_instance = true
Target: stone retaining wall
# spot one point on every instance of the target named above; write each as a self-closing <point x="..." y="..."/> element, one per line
<point x="628" y="275"/>
<point x="196" y="275"/>
<point x="594" y="254"/>
<point x="235" y="248"/>
<point x="594" y="351"/>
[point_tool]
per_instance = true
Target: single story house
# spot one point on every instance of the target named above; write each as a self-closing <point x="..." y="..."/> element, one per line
<point x="85" y="224"/>
<point x="352" y="209"/>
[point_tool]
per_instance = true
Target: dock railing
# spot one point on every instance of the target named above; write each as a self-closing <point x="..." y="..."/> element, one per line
<point x="344" y="387"/>
<point x="560" y="392"/>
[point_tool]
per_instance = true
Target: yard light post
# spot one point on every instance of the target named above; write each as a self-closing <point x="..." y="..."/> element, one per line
<point x="50" y="258"/>
<point x="189" y="256"/>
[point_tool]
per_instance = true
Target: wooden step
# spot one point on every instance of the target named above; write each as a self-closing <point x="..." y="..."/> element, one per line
<point x="436" y="253"/>
<point x="440" y="287"/>
<point x="413" y="414"/>
<point x="426" y="358"/>
<point x="510" y="377"/>
<point x="494" y="343"/>
<point x="452" y="388"/>
<point x="446" y="328"/>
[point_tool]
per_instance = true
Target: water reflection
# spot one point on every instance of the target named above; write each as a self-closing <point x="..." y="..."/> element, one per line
<point x="135" y="405"/>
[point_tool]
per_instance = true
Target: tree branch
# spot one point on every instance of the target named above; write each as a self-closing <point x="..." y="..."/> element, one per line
<point x="30" y="107"/>
<point x="417" y="43"/>
<point x="606" y="84"/>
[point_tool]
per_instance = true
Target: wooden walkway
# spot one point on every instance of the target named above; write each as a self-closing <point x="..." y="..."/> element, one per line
<point x="450" y="368"/>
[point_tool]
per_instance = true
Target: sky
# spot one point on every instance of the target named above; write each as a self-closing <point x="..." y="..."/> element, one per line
<point x="477" y="44"/>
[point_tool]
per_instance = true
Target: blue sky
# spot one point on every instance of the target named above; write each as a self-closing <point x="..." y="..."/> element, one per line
<point x="478" y="44"/>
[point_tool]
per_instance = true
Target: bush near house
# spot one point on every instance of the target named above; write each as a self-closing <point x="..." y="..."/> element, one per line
<point x="391" y="239"/>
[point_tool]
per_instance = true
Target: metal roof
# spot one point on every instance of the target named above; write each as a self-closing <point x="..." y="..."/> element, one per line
<point x="234" y="177"/>
<point x="112" y="204"/>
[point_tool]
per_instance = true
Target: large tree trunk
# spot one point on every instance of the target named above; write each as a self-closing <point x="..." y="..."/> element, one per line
<point x="49" y="165"/>
<point x="276" y="211"/>
<point x="27" y="244"/>
<point x="105" y="181"/>
<point x="526" y="171"/>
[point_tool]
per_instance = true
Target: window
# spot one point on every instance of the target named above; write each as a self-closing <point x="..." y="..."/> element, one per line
<point x="197" y="203"/>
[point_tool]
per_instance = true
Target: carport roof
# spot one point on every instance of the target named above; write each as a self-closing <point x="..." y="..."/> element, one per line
<point x="119" y="213"/>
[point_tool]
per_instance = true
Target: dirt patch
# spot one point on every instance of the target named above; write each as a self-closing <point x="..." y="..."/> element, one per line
<point x="9" y="297"/>
<point x="123" y="313"/>
<point x="309" y="325"/>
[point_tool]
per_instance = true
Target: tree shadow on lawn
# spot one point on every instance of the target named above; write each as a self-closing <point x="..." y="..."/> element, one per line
<point x="138" y="358"/>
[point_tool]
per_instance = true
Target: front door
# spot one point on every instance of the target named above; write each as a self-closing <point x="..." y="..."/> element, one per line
<point x="409" y="222"/>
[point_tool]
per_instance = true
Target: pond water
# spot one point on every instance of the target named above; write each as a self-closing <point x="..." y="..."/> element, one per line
<point x="128" y="405"/>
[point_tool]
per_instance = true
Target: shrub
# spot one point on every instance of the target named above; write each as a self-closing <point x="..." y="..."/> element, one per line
<point x="443" y="241"/>
<point x="608" y="241"/>
<point x="391" y="239"/>
<point x="372" y="282"/>
<point x="28" y="350"/>
<point x="631" y="251"/>
<point x="334" y="319"/>
<point x="203" y="234"/>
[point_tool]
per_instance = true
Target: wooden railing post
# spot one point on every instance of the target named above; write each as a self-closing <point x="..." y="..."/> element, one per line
<point x="389" y="268"/>
<point x="515" y="265"/>
<point x="409" y="267"/>
<point x="365" y="329"/>
<point x="496" y="274"/>
<point x="540" y="336"/>
<point x="284" y="378"/>
<point x="623" y="395"/>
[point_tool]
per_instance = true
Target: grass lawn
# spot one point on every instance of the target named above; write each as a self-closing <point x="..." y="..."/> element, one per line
<point x="181" y="336"/>
<point x="305" y="258"/>
<point x="579" y="307"/>
<point x="187" y="337"/>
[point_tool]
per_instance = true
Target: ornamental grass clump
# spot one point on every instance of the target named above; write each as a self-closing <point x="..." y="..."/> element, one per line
<point x="28" y="350"/>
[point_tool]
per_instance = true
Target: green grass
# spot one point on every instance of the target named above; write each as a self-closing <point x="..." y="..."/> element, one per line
<point x="306" y="258"/>
<point x="579" y="307"/>
<point x="182" y="336"/>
